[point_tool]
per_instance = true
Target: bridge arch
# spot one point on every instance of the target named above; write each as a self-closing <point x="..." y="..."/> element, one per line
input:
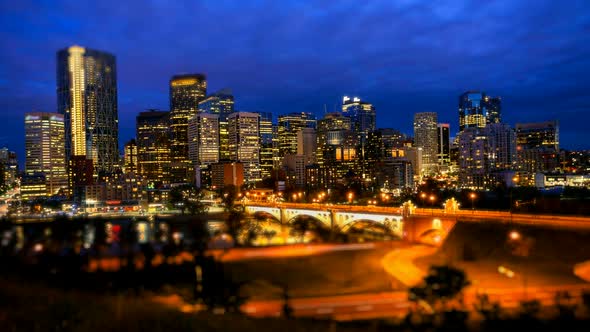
<point x="362" y="225"/>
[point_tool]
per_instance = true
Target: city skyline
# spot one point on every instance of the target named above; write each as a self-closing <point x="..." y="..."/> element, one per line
<point x="532" y="75"/>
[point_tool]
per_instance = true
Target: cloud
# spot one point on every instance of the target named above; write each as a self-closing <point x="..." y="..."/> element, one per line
<point x="282" y="56"/>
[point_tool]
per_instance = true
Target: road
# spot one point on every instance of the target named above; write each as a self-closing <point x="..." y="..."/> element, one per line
<point x="562" y="221"/>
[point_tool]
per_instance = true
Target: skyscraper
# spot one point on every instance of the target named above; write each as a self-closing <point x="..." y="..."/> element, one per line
<point x="153" y="147"/>
<point x="336" y="148"/>
<point x="222" y="104"/>
<point x="361" y="113"/>
<point x="267" y="150"/>
<point x="45" y="149"/>
<point x="244" y="143"/>
<point x="203" y="146"/>
<point x="476" y="109"/>
<point x="444" y="144"/>
<point x="87" y="97"/>
<point x="425" y="136"/>
<point x="537" y="147"/>
<point x="486" y="154"/>
<point x="130" y="157"/>
<point x="186" y="91"/>
<point x="203" y="136"/>
<point x="288" y="126"/>
<point x="307" y="145"/>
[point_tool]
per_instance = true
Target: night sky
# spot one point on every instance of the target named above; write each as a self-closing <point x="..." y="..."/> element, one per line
<point x="404" y="56"/>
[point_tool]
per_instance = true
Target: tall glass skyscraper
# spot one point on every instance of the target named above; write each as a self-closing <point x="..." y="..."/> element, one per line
<point x="476" y="109"/>
<point x="288" y="127"/>
<point x="186" y="91"/>
<point x="267" y="146"/>
<point x="153" y="146"/>
<point x="244" y="143"/>
<point x="45" y="149"/>
<point x="222" y="104"/>
<point x="425" y="137"/>
<point x="87" y="97"/>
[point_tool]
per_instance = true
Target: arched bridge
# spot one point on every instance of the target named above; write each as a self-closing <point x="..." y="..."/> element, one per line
<point x="331" y="217"/>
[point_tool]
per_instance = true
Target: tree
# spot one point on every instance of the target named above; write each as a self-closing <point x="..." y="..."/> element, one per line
<point x="441" y="284"/>
<point x="187" y="197"/>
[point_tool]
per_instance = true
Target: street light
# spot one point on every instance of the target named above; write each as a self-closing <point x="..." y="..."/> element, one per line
<point x="350" y="196"/>
<point x="423" y="196"/>
<point x="514" y="182"/>
<point x="472" y="196"/>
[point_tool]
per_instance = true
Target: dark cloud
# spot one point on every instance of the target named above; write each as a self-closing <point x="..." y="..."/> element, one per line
<point x="405" y="56"/>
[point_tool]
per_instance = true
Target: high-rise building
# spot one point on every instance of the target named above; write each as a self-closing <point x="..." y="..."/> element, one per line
<point x="493" y="109"/>
<point x="361" y="113"/>
<point x="267" y="150"/>
<point x="244" y="143"/>
<point x="87" y="97"/>
<point x="537" y="147"/>
<point x="336" y="148"/>
<point x="307" y="145"/>
<point x="222" y="104"/>
<point x="444" y="144"/>
<point x="45" y="149"/>
<point x="425" y="137"/>
<point x="9" y="165"/>
<point x="486" y="154"/>
<point x="203" y="146"/>
<point x="130" y="157"/>
<point x="543" y="135"/>
<point x="186" y="91"/>
<point x="153" y="147"/>
<point x="288" y="127"/>
<point x="476" y="109"/>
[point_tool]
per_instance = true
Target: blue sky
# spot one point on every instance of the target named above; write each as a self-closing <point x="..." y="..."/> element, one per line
<point x="278" y="56"/>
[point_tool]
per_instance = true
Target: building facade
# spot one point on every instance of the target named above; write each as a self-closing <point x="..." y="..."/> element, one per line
<point x="288" y="127"/>
<point x="45" y="149"/>
<point x="444" y="144"/>
<point x="153" y="147"/>
<point x="186" y="91"/>
<point x="425" y="137"/>
<point x="222" y="104"/>
<point x="87" y="97"/>
<point x="476" y="109"/>
<point x="244" y="143"/>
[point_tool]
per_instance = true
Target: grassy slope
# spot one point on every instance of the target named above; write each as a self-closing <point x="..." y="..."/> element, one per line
<point x="26" y="307"/>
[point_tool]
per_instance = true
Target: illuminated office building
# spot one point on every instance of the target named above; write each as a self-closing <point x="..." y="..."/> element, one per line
<point x="130" y="157"/>
<point x="87" y="97"/>
<point x="307" y="145"/>
<point x="203" y="145"/>
<point x="444" y="144"/>
<point x="186" y="91"/>
<point x="153" y="147"/>
<point x="267" y="146"/>
<point x="8" y="166"/>
<point x="288" y="127"/>
<point x="336" y="148"/>
<point x="244" y="143"/>
<point x="537" y="147"/>
<point x="361" y="113"/>
<point x="425" y="137"/>
<point x="486" y="154"/>
<point x="45" y="149"/>
<point x="222" y="104"/>
<point x="476" y="109"/>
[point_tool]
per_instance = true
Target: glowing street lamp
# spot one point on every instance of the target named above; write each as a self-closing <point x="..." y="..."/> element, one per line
<point x="350" y="196"/>
<point x="423" y="197"/>
<point x="472" y="196"/>
<point x="514" y="236"/>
